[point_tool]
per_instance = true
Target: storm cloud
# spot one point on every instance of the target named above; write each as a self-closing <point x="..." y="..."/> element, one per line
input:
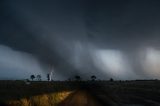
<point x="118" y="39"/>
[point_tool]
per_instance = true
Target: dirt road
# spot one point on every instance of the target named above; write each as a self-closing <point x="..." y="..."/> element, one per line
<point x="80" y="98"/>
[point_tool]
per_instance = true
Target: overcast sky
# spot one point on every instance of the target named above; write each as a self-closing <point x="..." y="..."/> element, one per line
<point x="106" y="38"/>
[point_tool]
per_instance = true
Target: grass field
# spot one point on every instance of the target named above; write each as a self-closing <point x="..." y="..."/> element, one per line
<point x="57" y="93"/>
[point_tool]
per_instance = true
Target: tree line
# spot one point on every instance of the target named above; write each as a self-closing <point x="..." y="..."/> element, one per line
<point x="76" y="78"/>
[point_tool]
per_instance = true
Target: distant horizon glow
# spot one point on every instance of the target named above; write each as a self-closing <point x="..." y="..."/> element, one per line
<point x="151" y="62"/>
<point x="113" y="63"/>
<point x="18" y="65"/>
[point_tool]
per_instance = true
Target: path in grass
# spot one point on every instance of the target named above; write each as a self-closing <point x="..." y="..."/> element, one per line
<point x="80" y="98"/>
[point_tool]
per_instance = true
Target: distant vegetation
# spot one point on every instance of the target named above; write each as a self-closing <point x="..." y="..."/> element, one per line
<point x="110" y="93"/>
<point x="35" y="92"/>
<point x="32" y="77"/>
<point x="39" y="77"/>
<point x="48" y="76"/>
<point x="93" y="77"/>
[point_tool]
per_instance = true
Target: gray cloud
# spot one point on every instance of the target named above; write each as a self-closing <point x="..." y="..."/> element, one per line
<point x="15" y="64"/>
<point x="83" y="37"/>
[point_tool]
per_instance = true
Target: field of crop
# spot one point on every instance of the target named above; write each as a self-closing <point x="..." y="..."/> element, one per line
<point x="128" y="93"/>
<point x="81" y="93"/>
<point x="18" y="93"/>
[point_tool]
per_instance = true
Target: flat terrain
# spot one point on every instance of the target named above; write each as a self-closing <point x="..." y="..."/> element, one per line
<point x="80" y="98"/>
<point x="80" y="93"/>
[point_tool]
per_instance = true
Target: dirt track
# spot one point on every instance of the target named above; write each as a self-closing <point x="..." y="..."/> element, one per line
<point x="80" y="98"/>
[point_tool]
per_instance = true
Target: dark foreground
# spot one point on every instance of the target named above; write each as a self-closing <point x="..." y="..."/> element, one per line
<point x="80" y="98"/>
<point x="81" y="93"/>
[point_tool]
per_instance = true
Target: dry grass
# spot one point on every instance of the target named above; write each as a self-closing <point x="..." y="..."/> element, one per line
<point x="41" y="100"/>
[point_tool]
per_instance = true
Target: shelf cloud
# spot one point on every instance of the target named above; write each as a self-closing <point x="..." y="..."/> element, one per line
<point x="118" y="39"/>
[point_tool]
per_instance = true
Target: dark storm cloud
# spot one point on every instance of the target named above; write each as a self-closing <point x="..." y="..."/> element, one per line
<point x="35" y="28"/>
<point x="122" y="22"/>
<point x="84" y="37"/>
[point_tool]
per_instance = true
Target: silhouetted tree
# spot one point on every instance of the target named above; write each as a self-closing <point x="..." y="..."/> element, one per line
<point x="39" y="77"/>
<point x="32" y="77"/>
<point x="93" y="77"/>
<point x="77" y="77"/>
<point x="111" y="80"/>
<point x="48" y="77"/>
